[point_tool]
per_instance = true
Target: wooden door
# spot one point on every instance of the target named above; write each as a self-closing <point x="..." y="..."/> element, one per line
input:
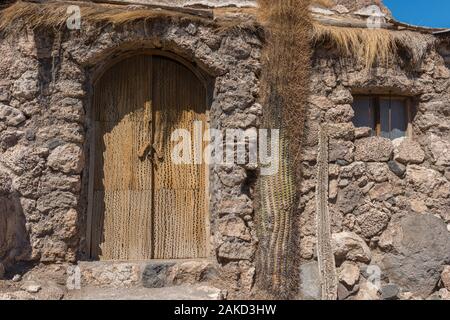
<point x="144" y="206"/>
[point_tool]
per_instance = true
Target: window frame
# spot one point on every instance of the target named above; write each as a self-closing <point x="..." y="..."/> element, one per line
<point x="376" y="102"/>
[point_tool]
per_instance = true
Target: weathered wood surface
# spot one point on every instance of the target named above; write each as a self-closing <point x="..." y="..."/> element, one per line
<point x="348" y="23"/>
<point x="325" y="255"/>
<point x="122" y="182"/>
<point x="180" y="207"/>
<point x="144" y="206"/>
<point x="194" y="3"/>
<point x="171" y="7"/>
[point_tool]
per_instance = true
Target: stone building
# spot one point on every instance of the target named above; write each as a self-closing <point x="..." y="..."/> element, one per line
<point x="89" y="195"/>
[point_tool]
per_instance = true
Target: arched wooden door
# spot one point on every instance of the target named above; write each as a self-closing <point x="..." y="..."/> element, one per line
<point x="143" y="205"/>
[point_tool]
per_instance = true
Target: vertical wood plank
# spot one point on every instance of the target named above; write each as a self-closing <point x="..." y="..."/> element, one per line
<point x="90" y="208"/>
<point x="409" y="129"/>
<point x="180" y="207"/>
<point x="376" y="101"/>
<point x="122" y="183"/>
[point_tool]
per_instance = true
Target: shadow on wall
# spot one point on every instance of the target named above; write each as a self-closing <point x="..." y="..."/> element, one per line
<point x="15" y="244"/>
<point x="14" y="241"/>
<point x="444" y="51"/>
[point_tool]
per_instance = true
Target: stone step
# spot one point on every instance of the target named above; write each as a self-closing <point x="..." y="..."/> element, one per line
<point x="184" y="292"/>
<point x="146" y="274"/>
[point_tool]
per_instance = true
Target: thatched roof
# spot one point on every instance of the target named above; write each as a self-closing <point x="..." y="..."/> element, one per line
<point x="347" y="32"/>
<point x="373" y="46"/>
<point x="354" y="35"/>
<point x="31" y="14"/>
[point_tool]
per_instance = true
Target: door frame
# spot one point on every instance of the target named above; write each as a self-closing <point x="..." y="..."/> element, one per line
<point x="206" y="80"/>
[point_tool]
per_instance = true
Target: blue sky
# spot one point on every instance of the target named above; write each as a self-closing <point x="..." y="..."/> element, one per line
<point x="430" y="13"/>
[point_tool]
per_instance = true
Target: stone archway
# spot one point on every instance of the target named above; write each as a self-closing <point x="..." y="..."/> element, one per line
<point x="233" y="96"/>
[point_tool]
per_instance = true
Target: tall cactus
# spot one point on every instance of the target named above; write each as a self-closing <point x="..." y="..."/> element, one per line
<point x="285" y="90"/>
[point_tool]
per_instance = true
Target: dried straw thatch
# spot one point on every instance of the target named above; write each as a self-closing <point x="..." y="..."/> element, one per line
<point x="286" y="60"/>
<point x="52" y="14"/>
<point x="374" y="46"/>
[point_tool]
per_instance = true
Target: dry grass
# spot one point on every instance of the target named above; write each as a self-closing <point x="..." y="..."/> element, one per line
<point x="373" y="46"/>
<point x="323" y="3"/>
<point x="284" y="87"/>
<point x="23" y="15"/>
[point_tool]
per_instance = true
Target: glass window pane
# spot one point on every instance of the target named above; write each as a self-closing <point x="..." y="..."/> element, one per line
<point x="364" y="112"/>
<point x="399" y="120"/>
<point x="393" y="125"/>
<point x="384" y="118"/>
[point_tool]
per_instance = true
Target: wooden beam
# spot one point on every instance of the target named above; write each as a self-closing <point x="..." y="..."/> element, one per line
<point x="416" y="28"/>
<point x="348" y="23"/>
<point x="409" y="110"/>
<point x="204" y="13"/>
<point x="392" y="24"/>
<point x="195" y="12"/>
<point x="209" y="4"/>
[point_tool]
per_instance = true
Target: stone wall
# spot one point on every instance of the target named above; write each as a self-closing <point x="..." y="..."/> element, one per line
<point x="45" y="95"/>
<point x="389" y="201"/>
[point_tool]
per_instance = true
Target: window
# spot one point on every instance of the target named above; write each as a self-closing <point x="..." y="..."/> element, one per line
<point x="388" y="117"/>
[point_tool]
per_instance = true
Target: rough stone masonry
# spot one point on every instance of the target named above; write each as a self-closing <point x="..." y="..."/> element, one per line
<point x="45" y="93"/>
<point x="389" y="201"/>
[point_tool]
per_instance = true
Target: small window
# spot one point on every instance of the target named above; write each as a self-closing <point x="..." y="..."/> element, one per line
<point x="389" y="117"/>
